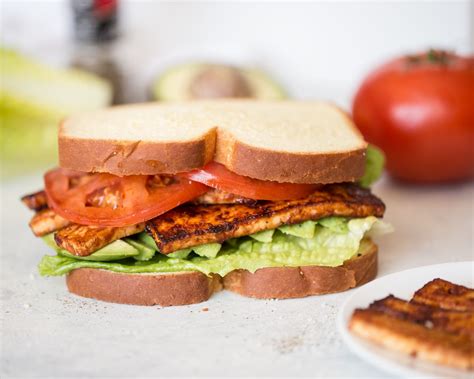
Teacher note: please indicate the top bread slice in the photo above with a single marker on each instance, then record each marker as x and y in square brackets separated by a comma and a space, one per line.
[283, 141]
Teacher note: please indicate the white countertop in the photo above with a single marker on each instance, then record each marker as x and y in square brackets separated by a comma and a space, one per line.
[48, 332]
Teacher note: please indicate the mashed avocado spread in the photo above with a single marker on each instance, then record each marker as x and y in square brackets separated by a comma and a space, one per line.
[326, 242]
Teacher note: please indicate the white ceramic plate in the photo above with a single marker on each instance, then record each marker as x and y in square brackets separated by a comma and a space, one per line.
[402, 284]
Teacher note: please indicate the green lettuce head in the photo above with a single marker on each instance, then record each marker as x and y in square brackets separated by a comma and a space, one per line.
[34, 98]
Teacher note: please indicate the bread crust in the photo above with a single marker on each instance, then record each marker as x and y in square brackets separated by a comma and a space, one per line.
[284, 167]
[293, 168]
[134, 157]
[194, 287]
[151, 158]
[143, 289]
[296, 282]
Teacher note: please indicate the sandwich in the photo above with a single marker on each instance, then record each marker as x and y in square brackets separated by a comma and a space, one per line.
[165, 204]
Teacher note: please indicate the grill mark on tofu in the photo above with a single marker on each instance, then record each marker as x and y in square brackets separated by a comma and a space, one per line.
[450, 321]
[446, 295]
[36, 201]
[83, 240]
[194, 224]
[396, 333]
[46, 221]
[437, 324]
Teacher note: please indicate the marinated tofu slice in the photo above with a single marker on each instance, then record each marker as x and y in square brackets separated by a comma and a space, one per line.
[46, 221]
[446, 295]
[36, 201]
[437, 324]
[447, 320]
[196, 224]
[83, 240]
[415, 339]
[221, 197]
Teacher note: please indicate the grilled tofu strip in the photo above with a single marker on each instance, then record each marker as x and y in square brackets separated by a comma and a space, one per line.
[220, 197]
[415, 339]
[83, 240]
[437, 324]
[46, 221]
[446, 295]
[446, 320]
[36, 201]
[196, 224]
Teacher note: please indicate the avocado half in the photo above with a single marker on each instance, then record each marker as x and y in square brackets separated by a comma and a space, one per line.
[176, 83]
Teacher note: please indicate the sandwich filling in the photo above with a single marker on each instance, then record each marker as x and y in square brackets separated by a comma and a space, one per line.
[211, 220]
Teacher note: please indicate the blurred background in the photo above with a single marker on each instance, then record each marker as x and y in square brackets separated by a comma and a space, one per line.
[316, 50]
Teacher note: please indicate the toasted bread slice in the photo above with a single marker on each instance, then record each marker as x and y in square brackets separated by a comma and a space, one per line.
[166, 289]
[284, 141]
[193, 287]
[295, 282]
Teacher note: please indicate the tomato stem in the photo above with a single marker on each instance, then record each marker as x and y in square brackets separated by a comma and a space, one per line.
[432, 56]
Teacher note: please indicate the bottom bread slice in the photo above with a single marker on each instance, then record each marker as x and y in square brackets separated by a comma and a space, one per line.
[294, 282]
[191, 287]
[165, 289]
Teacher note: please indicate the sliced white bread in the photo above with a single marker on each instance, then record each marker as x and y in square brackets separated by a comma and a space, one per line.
[284, 141]
[177, 288]
[194, 287]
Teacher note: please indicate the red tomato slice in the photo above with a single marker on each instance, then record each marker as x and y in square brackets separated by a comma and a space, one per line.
[215, 175]
[109, 200]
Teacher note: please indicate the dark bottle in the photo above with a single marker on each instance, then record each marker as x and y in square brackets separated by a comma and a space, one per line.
[95, 38]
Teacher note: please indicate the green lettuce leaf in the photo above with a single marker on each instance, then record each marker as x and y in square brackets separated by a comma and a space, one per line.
[208, 250]
[375, 160]
[336, 224]
[263, 236]
[180, 254]
[61, 265]
[327, 247]
[304, 230]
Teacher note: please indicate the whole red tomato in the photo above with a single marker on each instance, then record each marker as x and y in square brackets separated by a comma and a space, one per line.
[420, 111]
